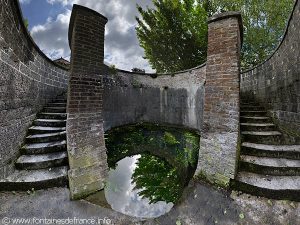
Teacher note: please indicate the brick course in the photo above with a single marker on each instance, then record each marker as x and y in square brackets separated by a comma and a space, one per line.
[220, 135]
[86, 146]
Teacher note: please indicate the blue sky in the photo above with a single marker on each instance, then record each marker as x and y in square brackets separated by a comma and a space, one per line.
[49, 21]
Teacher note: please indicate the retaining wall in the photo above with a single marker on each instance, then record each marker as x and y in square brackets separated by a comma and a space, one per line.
[175, 99]
[28, 80]
[276, 82]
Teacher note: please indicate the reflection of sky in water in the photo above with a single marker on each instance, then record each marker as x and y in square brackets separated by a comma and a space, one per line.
[121, 196]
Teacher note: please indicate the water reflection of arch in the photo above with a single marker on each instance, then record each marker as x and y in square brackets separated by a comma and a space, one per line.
[159, 148]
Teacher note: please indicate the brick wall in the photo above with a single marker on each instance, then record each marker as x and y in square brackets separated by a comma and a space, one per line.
[220, 137]
[276, 82]
[85, 135]
[174, 99]
[28, 80]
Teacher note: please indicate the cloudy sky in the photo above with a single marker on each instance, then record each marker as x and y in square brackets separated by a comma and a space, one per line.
[122, 197]
[49, 21]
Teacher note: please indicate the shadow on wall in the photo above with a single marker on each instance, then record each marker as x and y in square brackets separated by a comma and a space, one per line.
[131, 98]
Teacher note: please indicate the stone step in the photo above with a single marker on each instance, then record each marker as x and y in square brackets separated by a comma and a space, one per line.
[60, 100]
[257, 126]
[55, 109]
[247, 102]
[44, 130]
[254, 119]
[56, 104]
[42, 161]
[278, 151]
[56, 116]
[270, 166]
[43, 138]
[251, 108]
[37, 179]
[43, 148]
[262, 137]
[276, 187]
[50, 122]
[254, 113]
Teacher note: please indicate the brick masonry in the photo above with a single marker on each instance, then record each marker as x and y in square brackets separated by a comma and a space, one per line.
[205, 98]
[220, 134]
[174, 99]
[276, 82]
[28, 80]
[85, 134]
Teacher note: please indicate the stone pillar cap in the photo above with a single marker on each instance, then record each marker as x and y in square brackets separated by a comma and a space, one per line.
[75, 10]
[229, 14]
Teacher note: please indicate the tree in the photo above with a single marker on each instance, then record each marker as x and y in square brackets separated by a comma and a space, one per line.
[264, 23]
[174, 33]
[157, 180]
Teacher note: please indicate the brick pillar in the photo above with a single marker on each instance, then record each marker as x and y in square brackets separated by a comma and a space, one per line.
[85, 135]
[219, 142]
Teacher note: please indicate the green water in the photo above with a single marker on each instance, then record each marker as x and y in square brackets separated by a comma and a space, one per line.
[149, 167]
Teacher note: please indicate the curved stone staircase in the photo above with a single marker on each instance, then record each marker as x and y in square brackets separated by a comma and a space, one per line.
[270, 161]
[43, 162]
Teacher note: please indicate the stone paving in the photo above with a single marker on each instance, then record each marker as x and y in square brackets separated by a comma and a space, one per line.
[201, 204]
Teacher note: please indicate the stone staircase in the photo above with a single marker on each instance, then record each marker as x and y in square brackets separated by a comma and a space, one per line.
[269, 163]
[44, 161]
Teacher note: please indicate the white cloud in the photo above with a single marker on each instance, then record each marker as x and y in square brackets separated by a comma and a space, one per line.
[121, 44]
[51, 37]
[25, 1]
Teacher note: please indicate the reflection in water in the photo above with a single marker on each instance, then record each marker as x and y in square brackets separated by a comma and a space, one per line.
[123, 195]
[148, 184]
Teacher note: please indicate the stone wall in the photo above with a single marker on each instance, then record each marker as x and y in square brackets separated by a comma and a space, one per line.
[164, 99]
[205, 98]
[85, 134]
[28, 80]
[220, 137]
[276, 82]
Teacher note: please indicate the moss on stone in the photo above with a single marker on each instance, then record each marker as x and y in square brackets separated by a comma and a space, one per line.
[179, 147]
[218, 180]
[170, 139]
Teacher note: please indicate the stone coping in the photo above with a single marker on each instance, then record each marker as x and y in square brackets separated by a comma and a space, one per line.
[75, 10]
[280, 43]
[225, 15]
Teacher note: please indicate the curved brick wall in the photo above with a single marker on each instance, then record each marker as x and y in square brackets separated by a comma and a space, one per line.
[276, 82]
[28, 80]
[165, 99]
[205, 99]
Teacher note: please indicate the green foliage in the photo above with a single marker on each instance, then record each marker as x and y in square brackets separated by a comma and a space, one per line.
[264, 23]
[121, 142]
[192, 143]
[157, 180]
[170, 139]
[174, 33]
[113, 70]
[26, 23]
